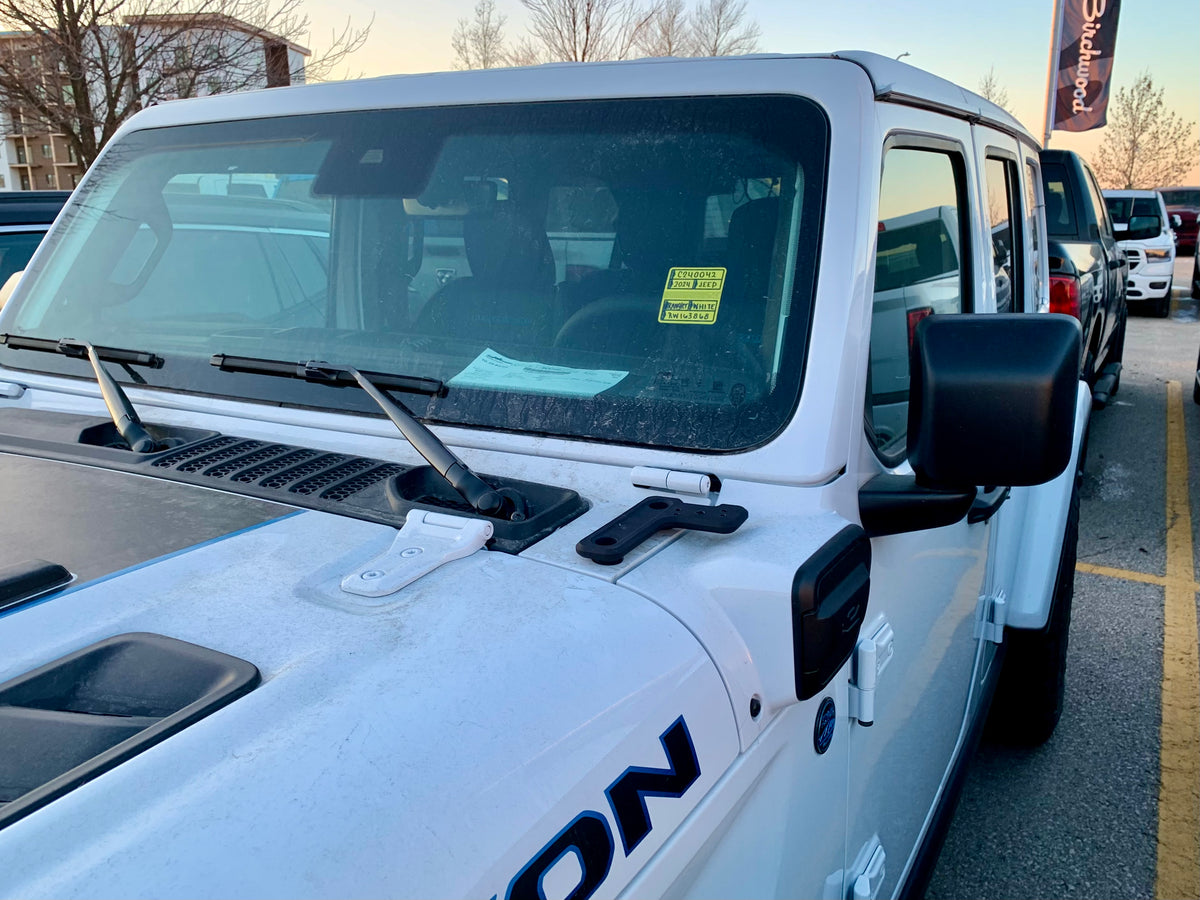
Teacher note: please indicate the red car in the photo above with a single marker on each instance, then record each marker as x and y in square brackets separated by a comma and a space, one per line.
[1185, 202]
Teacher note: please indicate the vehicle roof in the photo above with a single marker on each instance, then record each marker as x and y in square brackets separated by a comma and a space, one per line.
[31, 207]
[1130, 192]
[891, 81]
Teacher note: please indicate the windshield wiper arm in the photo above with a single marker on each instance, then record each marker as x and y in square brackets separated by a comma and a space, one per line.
[123, 415]
[504, 504]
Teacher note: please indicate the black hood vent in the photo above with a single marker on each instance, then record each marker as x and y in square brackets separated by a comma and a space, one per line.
[372, 489]
[278, 467]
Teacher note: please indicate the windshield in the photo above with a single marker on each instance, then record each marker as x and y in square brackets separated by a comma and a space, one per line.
[1122, 209]
[633, 271]
[16, 247]
[1182, 197]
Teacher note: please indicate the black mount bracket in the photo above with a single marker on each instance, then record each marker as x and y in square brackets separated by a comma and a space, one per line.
[609, 544]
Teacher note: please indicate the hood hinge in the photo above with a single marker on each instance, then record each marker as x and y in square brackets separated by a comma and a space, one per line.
[427, 541]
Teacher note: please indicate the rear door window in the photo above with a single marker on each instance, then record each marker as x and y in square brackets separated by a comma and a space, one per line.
[1060, 201]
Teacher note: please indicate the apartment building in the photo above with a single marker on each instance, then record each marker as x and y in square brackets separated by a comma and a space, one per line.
[32, 157]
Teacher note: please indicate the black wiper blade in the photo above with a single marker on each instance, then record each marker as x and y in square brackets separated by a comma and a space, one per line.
[325, 374]
[120, 409]
[78, 349]
[505, 503]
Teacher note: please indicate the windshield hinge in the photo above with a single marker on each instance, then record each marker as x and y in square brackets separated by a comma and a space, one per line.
[993, 613]
[871, 656]
[676, 482]
[427, 540]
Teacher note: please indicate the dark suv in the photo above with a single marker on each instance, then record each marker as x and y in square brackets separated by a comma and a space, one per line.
[1088, 271]
[25, 216]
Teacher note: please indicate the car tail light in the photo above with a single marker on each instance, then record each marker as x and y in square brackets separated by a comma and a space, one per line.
[915, 316]
[1064, 295]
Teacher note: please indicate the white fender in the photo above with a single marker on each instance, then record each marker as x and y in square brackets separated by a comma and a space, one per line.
[1032, 526]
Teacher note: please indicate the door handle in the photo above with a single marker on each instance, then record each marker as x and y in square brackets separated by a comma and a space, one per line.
[1115, 263]
[984, 506]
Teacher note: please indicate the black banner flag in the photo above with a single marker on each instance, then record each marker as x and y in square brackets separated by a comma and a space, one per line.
[1084, 45]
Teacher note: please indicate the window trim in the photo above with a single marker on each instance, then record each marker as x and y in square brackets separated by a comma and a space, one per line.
[1031, 174]
[958, 153]
[1016, 195]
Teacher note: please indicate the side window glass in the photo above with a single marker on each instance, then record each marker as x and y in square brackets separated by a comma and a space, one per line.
[1098, 203]
[1004, 214]
[1035, 231]
[919, 271]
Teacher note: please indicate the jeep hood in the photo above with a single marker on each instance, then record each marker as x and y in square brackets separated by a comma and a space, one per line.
[451, 729]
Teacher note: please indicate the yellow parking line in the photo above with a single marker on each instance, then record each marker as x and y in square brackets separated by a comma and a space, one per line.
[1186, 583]
[1178, 873]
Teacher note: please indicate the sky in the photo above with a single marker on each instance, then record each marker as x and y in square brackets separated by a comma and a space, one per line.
[957, 39]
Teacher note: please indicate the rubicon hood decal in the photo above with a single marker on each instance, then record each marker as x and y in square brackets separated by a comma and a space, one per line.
[97, 521]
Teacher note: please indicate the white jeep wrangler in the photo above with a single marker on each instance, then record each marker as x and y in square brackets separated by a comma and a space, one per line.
[686, 563]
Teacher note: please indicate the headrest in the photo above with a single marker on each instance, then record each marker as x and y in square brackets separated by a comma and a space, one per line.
[1055, 208]
[508, 249]
[751, 243]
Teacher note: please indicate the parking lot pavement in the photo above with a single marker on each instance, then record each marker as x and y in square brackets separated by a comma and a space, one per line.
[1081, 816]
[1181, 281]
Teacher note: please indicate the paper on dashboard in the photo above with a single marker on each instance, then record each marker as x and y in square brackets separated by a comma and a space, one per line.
[495, 371]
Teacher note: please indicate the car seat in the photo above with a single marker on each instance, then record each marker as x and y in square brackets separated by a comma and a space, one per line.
[749, 259]
[509, 298]
[1056, 209]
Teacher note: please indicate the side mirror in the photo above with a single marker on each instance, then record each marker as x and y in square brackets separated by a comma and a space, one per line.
[992, 399]
[992, 402]
[1176, 220]
[1143, 227]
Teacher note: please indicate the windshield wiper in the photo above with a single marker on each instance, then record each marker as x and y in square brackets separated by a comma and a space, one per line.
[123, 415]
[505, 503]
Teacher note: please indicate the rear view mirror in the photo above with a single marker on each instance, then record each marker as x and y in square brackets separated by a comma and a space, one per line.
[1143, 228]
[1176, 220]
[992, 399]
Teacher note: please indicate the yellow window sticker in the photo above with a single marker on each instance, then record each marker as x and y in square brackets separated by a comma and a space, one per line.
[691, 296]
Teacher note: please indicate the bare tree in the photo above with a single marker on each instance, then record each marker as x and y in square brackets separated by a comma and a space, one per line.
[478, 43]
[1146, 145]
[526, 52]
[990, 88]
[669, 32]
[584, 30]
[82, 67]
[719, 29]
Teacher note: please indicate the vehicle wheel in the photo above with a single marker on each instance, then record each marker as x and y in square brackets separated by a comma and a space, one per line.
[1116, 353]
[1162, 306]
[1029, 697]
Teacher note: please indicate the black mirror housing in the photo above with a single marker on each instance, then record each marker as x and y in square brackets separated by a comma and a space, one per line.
[993, 399]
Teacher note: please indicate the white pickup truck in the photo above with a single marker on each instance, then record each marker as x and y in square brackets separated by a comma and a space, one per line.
[325, 573]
